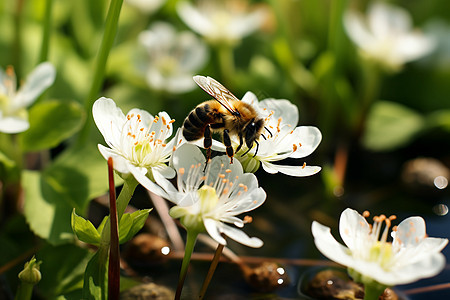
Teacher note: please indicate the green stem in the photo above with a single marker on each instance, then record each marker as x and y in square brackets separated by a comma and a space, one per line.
[371, 80]
[24, 291]
[125, 195]
[373, 292]
[17, 45]
[211, 270]
[189, 248]
[330, 98]
[226, 63]
[46, 31]
[111, 24]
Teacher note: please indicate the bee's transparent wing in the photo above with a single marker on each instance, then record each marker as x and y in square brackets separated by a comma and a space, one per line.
[218, 91]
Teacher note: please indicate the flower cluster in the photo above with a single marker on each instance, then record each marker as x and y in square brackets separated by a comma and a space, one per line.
[208, 196]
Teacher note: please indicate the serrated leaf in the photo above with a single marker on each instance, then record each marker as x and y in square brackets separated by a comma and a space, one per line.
[84, 230]
[391, 125]
[51, 122]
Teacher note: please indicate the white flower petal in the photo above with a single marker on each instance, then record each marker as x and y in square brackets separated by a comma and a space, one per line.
[357, 30]
[309, 137]
[164, 170]
[410, 231]
[187, 155]
[194, 18]
[385, 20]
[212, 227]
[38, 81]
[246, 24]
[282, 108]
[147, 183]
[250, 98]
[13, 124]
[298, 171]
[429, 267]
[109, 120]
[413, 46]
[240, 237]
[328, 246]
[353, 228]
[119, 162]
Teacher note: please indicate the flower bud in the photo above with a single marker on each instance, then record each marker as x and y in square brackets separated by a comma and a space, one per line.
[30, 273]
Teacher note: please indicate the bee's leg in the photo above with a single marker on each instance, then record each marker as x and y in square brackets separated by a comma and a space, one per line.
[227, 143]
[241, 142]
[250, 148]
[257, 147]
[207, 143]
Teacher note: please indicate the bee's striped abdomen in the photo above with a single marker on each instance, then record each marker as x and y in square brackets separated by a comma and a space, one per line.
[195, 123]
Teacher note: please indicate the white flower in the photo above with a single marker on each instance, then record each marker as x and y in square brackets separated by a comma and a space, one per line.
[147, 6]
[137, 142]
[13, 103]
[221, 21]
[386, 36]
[212, 198]
[411, 256]
[173, 58]
[282, 139]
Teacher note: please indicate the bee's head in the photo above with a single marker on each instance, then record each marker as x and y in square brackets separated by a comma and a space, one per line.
[253, 131]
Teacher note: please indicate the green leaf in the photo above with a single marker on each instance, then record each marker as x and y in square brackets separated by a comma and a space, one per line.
[102, 224]
[46, 212]
[51, 122]
[138, 218]
[87, 161]
[439, 119]
[96, 277]
[85, 230]
[68, 184]
[62, 269]
[125, 224]
[391, 125]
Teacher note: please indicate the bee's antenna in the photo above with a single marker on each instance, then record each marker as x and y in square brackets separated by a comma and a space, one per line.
[271, 135]
[262, 134]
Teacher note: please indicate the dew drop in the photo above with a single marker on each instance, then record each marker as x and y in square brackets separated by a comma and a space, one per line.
[440, 209]
[440, 182]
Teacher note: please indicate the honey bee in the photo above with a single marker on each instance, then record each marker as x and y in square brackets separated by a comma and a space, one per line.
[225, 114]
